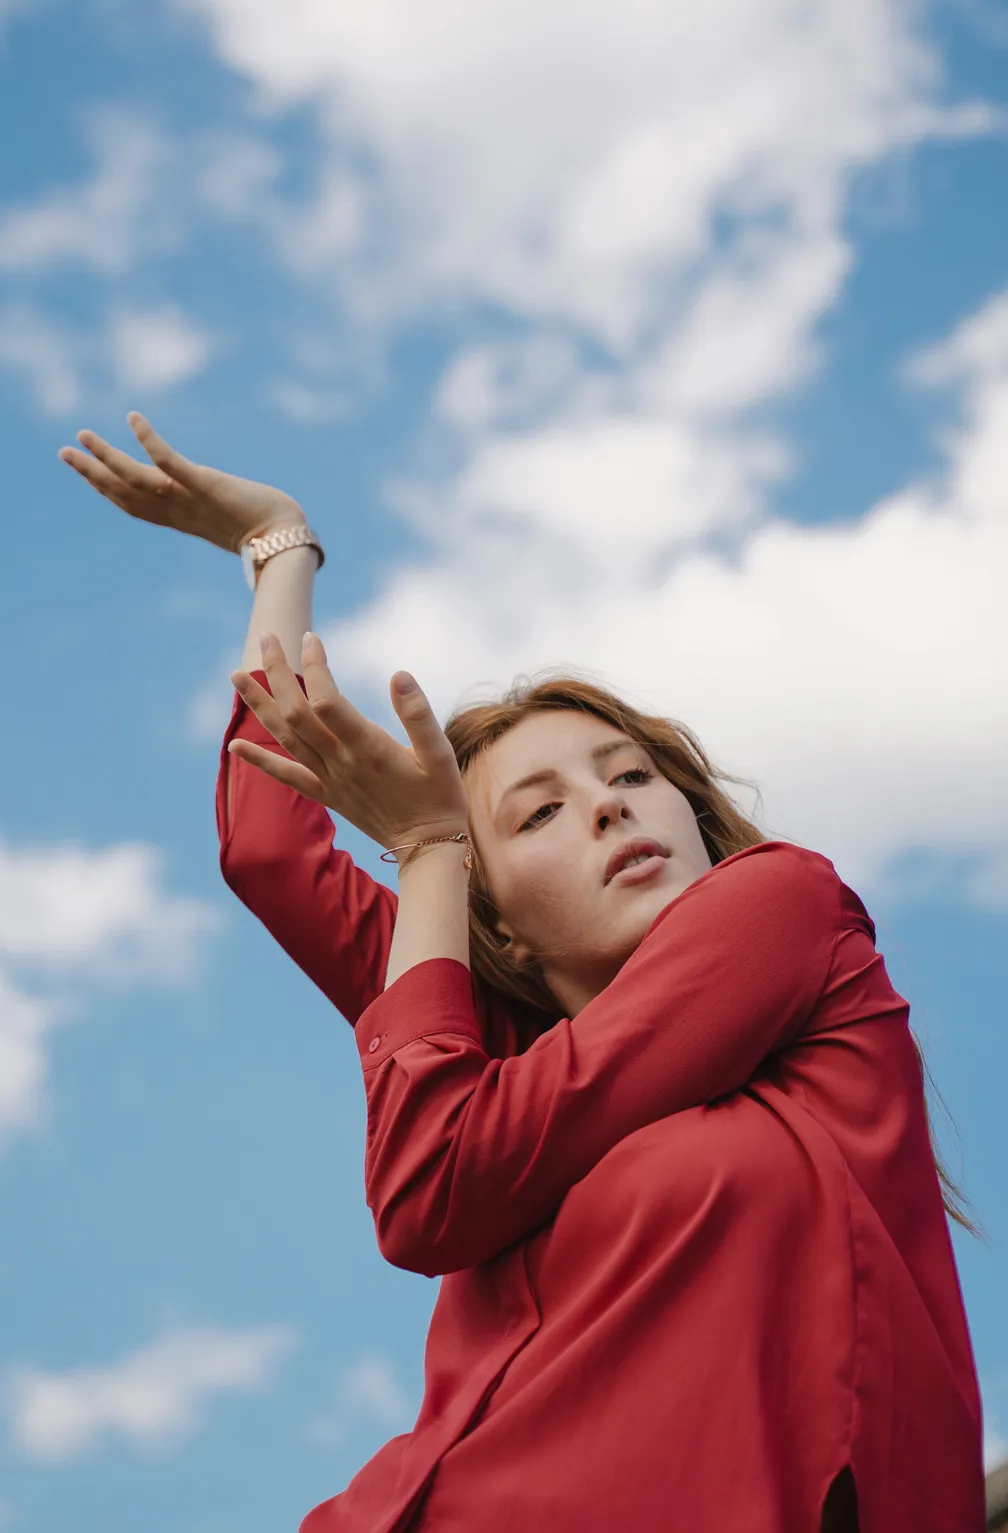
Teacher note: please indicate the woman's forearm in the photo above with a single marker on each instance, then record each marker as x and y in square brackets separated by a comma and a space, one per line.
[433, 916]
[282, 605]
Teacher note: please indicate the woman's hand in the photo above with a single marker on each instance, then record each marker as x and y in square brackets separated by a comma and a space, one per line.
[172, 492]
[393, 793]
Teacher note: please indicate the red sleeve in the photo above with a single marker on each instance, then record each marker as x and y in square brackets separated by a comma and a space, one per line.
[277, 854]
[467, 1154]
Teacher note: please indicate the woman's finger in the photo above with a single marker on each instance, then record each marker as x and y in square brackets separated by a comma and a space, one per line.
[193, 476]
[430, 744]
[103, 480]
[282, 722]
[336, 712]
[291, 773]
[318, 679]
[321, 725]
[142, 476]
[284, 684]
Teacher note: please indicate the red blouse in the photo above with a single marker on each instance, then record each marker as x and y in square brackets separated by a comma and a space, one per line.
[694, 1252]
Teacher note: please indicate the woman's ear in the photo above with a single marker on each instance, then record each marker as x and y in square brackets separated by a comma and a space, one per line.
[516, 950]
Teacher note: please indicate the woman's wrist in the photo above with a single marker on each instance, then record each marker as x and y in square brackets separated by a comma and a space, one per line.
[282, 604]
[432, 920]
[452, 851]
[424, 840]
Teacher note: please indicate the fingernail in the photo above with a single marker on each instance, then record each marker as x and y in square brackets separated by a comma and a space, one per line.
[238, 681]
[264, 642]
[306, 639]
[404, 683]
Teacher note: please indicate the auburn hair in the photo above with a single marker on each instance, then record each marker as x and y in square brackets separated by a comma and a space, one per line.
[682, 760]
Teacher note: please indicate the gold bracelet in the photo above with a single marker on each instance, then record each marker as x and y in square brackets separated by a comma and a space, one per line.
[389, 855]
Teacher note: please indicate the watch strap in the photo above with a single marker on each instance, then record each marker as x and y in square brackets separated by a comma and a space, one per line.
[257, 551]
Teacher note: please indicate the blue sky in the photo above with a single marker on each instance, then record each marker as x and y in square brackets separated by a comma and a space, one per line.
[675, 352]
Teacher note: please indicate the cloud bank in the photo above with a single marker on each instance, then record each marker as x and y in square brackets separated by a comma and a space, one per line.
[153, 1396]
[652, 208]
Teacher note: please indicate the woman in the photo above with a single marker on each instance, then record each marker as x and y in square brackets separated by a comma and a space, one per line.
[667, 1145]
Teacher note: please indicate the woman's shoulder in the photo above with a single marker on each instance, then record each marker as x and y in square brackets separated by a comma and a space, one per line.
[769, 893]
[790, 876]
[771, 866]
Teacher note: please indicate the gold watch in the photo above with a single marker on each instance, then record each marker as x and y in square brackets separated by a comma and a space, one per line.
[256, 551]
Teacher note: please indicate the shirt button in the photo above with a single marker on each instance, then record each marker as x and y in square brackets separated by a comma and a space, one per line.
[374, 1044]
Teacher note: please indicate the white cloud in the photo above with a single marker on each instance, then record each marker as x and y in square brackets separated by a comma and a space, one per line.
[619, 489]
[308, 404]
[70, 918]
[104, 913]
[152, 1396]
[995, 1447]
[145, 348]
[25, 1021]
[573, 160]
[661, 197]
[155, 348]
[234, 174]
[858, 671]
[106, 222]
[507, 382]
[38, 351]
[973, 355]
[368, 1389]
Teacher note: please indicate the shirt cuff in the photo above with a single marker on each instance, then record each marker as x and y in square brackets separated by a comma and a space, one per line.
[244, 725]
[432, 997]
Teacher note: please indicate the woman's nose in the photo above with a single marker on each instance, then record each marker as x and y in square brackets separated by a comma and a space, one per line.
[609, 809]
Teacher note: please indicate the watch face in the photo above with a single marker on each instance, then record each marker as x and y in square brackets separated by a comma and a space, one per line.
[248, 565]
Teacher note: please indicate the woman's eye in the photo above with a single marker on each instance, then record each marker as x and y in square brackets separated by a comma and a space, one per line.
[539, 816]
[633, 775]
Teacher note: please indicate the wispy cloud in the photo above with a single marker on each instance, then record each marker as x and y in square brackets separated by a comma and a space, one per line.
[101, 912]
[156, 348]
[71, 919]
[594, 161]
[41, 354]
[307, 404]
[153, 1396]
[25, 1021]
[106, 222]
[367, 1390]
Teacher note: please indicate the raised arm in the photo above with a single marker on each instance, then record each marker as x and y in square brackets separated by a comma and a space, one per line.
[277, 849]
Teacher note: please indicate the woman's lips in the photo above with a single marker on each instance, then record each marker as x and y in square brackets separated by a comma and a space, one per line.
[640, 872]
[637, 846]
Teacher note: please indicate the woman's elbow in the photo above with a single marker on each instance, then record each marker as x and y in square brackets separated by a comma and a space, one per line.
[418, 1243]
[405, 1243]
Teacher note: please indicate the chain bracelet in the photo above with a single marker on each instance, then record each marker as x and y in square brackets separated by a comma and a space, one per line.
[389, 855]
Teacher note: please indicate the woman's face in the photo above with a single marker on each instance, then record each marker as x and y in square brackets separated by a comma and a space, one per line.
[584, 843]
